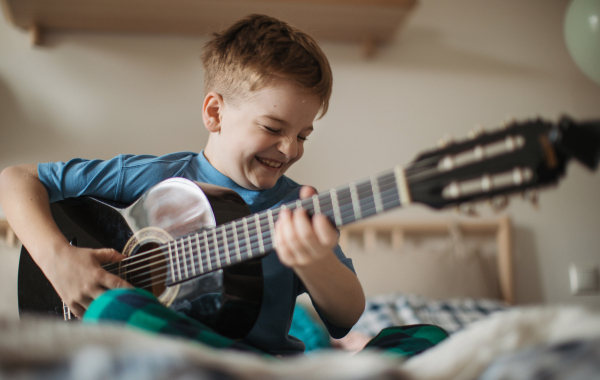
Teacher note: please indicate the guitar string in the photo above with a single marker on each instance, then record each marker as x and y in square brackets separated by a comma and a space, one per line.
[325, 205]
[382, 181]
[216, 260]
[244, 250]
[148, 283]
[229, 234]
[389, 200]
[386, 176]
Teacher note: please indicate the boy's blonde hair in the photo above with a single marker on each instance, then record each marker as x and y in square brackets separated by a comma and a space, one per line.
[259, 50]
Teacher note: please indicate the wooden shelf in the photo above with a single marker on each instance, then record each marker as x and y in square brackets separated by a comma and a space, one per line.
[364, 21]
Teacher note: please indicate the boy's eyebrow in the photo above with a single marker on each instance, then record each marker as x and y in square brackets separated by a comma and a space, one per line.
[310, 127]
[280, 121]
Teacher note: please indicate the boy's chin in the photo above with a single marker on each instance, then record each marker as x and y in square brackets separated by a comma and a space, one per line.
[263, 183]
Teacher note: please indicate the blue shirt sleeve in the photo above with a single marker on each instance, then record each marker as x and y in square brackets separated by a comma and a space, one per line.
[123, 178]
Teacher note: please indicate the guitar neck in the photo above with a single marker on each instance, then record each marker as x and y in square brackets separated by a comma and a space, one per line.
[252, 236]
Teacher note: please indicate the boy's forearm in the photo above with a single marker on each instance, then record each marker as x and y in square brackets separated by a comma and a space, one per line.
[335, 289]
[26, 205]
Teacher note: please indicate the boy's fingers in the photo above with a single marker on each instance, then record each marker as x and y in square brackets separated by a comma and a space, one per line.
[77, 310]
[288, 242]
[304, 231]
[307, 191]
[108, 255]
[325, 232]
[110, 281]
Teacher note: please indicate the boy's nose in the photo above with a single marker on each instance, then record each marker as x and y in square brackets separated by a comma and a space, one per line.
[289, 147]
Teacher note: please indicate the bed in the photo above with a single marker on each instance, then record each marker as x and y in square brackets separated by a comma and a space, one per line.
[469, 262]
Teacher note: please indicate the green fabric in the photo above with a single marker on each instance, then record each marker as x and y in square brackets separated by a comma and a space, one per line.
[309, 330]
[140, 309]
[407, 341]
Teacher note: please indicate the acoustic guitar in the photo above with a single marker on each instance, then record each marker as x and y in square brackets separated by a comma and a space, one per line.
[189, 240]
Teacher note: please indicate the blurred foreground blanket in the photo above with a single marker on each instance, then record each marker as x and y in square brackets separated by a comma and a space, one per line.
[487, 349]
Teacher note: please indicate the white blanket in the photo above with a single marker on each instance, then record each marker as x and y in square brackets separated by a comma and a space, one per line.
[467, 353]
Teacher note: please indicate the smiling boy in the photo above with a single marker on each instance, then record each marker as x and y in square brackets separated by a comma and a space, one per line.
[265, 84]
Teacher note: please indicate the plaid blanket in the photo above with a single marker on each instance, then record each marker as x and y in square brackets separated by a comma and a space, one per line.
[140, 309]
[396, 310]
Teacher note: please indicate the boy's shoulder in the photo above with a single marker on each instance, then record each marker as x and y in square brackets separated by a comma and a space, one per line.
[131, 160]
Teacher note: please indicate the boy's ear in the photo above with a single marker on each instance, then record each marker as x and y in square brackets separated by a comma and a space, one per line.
[212, 111]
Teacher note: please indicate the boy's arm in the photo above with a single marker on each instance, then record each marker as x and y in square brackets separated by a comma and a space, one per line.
[74, 272]
[306, 246]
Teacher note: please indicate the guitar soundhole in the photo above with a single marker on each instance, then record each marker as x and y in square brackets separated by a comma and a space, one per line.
[148, 270]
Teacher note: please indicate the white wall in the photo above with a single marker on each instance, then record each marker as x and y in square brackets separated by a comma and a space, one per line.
[457, 63]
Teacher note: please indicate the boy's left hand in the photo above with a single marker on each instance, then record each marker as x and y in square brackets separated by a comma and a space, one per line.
[302, 241]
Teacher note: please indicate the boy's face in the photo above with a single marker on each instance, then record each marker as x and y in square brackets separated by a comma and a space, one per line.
[256, 142]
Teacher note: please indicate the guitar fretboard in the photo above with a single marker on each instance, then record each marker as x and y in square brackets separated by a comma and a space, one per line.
[252, 236]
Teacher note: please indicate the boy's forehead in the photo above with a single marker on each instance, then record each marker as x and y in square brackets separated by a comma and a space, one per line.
[282, 101]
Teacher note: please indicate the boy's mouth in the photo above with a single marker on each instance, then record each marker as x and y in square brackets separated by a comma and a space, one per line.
[270, 163]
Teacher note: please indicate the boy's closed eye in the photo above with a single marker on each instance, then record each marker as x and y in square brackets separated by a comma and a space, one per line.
[277, 131]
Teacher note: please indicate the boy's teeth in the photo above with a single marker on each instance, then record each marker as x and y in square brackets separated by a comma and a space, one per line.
[272, 164]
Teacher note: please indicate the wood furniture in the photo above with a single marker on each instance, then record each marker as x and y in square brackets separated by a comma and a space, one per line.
[398, 230]
[367, 21]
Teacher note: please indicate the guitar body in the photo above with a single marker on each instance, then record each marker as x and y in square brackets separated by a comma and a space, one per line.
[228, 300]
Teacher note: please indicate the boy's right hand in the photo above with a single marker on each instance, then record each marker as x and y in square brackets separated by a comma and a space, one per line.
[78, 277]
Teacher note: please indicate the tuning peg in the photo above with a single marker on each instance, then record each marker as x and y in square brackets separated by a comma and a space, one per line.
[467, 209]
[499, 203]
[475, 132]
[445, 141]
[508, 120]
[533, 196]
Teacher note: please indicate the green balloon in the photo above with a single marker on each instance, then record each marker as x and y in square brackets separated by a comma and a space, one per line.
[582, 35]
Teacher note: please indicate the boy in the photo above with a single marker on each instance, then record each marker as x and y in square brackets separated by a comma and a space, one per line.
[265, 84]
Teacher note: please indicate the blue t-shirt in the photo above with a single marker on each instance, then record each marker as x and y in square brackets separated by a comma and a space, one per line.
[127, 177]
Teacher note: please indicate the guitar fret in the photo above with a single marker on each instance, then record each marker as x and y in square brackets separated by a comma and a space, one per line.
[402, 185]
[376, 195]
[177, 258]
[336, 207]
[271, 226]
[237, 243]
[185, 264]
[227, 258]
[216, 244]
[171, 260]
[207, 251]
[191, 255]
[355, 202]
[316, 203]
[200, 264]
[247, 236]
[259, 232]
[298, 204]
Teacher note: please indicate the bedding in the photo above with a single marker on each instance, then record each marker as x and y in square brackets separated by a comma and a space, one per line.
[489, 341]
[399, 309]
[486, 350]
[388, 310]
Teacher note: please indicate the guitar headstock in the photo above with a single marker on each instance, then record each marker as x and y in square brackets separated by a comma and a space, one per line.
[520, 157]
